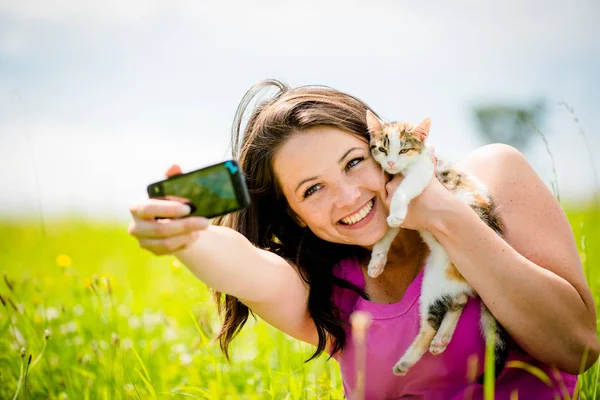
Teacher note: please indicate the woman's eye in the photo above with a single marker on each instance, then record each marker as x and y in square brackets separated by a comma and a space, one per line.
[310, 190]
[354, 162]
[381, 149]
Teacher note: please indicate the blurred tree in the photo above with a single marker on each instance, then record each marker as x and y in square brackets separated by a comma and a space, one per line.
[508, 123]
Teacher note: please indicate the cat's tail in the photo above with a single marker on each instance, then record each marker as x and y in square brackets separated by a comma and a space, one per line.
[491, 327]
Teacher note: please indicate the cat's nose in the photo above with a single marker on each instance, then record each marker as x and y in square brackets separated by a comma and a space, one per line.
[391, 163]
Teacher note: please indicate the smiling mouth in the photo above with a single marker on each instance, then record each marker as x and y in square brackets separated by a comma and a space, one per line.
[359, 215]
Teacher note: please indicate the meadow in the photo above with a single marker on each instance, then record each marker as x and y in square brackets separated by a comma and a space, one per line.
[87, 314]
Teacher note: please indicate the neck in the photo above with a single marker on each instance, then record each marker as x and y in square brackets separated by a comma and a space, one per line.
[406, 248]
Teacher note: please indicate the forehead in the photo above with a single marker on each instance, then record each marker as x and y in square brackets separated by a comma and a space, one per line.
[312, 152]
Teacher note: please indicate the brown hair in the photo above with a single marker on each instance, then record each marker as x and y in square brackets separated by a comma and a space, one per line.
[268, 223]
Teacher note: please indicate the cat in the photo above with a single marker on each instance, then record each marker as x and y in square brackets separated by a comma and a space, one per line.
[400, 148]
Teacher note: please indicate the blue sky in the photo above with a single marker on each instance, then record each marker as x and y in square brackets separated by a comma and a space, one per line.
[97, 99]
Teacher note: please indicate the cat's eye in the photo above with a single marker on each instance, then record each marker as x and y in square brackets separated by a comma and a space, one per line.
[383, 150]
[403, 151]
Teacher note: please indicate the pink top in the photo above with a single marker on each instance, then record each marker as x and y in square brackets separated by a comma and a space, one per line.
[443, 377]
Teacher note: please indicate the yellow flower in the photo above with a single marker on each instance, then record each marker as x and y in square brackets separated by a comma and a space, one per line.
[37, 319]
[87, 283]
[175, 265]
[63, 261]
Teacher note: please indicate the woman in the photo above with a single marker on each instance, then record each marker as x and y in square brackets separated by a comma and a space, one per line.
[319, 203]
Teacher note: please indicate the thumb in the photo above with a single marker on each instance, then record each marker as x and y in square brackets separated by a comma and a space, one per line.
[173, 170]
[432, 154]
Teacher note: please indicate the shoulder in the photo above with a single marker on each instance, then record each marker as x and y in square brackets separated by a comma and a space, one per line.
[508, 175]
[532, 218]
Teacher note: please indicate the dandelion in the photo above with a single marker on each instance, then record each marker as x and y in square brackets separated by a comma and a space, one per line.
[23, 351]
[134, 322]
[63, 261]
[52, 314]
[124, 310]
[87, 283]
[69, 327]
[47, 334]
[78, 310]
[106, 282]
[127, 343]
[186, 359]
[170, 334]
[114, 338]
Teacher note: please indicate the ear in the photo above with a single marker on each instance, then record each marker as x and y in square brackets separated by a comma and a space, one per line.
[422, 130]
[373, 123]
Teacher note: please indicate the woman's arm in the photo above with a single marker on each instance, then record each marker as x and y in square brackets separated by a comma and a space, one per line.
[227, 262]
[532, 280]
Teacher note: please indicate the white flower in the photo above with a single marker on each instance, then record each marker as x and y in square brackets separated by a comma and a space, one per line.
[134, 322]
[51, 313]
[186, 359]
[78, 310]
[170, 334]
[124, 310]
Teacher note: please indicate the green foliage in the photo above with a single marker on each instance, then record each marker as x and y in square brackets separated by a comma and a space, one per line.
[123, 324]
[88, 315]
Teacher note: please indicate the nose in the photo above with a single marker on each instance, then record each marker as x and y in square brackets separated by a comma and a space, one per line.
[347, 195]
[391, 163]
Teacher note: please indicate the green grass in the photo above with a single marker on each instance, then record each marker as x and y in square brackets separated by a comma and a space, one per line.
[128, 325]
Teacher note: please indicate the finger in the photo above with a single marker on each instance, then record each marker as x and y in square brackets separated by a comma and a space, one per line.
[173, 170]
[432, 154]
[157, 208]
[167, 228]
[168, 245]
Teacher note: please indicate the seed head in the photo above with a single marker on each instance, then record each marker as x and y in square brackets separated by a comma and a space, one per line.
[47, 334]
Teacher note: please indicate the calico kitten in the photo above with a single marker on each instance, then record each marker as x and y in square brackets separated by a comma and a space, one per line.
[400, 149]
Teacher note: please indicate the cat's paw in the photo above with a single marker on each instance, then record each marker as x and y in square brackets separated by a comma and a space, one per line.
[395, 220]
[376, 265]
[397, 216]
[439, 344]
[402, 367]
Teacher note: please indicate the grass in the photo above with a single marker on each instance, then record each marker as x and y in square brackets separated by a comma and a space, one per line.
[86, 314]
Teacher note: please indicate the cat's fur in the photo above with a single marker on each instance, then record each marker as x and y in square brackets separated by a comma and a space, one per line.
[400, 149]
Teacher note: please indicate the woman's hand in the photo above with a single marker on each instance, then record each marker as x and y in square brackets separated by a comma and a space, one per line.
[422, 209]
[168, 235]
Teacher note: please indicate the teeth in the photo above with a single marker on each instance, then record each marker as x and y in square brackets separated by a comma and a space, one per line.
[358, 216]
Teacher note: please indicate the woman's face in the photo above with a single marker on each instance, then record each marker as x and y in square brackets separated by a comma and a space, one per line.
[333, 185]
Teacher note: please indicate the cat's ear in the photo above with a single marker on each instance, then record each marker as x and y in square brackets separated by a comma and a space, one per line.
[422, 130]
[373, 123]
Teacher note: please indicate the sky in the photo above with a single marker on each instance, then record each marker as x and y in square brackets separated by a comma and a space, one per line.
[98, 99]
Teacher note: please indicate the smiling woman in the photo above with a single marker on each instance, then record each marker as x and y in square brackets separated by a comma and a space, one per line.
[333, 185]
[319, 204]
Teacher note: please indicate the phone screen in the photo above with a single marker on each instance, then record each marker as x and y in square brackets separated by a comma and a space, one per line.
[210, 192]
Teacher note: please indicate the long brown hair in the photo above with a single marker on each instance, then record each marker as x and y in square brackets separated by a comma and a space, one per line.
[269, 223]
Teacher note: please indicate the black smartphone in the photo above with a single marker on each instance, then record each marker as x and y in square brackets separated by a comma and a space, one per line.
[210, 192]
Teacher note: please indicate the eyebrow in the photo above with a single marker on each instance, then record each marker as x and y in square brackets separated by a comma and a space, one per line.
[303, 181]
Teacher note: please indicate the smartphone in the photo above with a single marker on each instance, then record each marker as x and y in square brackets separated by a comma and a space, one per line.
[210, 192]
